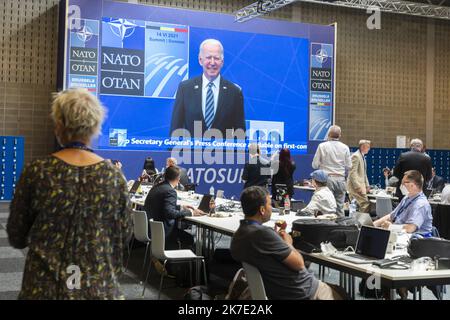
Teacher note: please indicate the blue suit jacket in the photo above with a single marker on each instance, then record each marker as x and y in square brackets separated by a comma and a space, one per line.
[188, 107]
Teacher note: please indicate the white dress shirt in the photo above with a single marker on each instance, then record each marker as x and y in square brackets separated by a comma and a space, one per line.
[445, 195]
[322, 201]
[333, 157]
[215, 89]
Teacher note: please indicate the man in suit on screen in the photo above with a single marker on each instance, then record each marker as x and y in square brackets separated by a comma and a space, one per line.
[208, 100]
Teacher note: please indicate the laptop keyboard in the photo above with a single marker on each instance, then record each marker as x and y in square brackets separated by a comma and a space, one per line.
[404, 259]
[360, 257]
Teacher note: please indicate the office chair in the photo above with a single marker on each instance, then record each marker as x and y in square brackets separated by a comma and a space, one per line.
[255, 282]
[383, 206]
[177, 256]
[140, 229]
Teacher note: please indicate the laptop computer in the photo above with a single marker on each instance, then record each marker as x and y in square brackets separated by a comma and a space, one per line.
[364, 219]
[370, 247]
[134, 188]
[204, 203]
[428, 192]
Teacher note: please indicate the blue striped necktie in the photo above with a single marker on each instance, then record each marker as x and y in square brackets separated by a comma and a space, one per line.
[209, 106]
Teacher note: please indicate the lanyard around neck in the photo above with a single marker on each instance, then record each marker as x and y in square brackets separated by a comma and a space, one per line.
[404, 207]
[77, 145]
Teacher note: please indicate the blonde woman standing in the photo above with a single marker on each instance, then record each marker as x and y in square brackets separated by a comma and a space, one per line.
[71, 210]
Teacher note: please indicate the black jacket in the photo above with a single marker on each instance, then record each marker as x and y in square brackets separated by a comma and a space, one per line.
[282, 177]
[188, 107]
[413, 160]
[161, 205]
[437, 184]
[184, 178]
[252, 173]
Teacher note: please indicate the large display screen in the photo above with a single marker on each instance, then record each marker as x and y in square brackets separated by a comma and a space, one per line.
[134, 58]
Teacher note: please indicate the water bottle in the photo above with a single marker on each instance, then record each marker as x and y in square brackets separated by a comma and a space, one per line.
[212, 206]
[352, 208]
[212, 203]
[287, 205]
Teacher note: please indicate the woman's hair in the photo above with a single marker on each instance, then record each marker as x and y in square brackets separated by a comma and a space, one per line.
[77, 114]
[285, 161]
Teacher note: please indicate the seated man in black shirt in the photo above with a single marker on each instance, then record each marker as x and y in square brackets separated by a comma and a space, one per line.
[161, 205]
[281, 266]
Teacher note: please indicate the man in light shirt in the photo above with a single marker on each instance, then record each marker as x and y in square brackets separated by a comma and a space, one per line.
[333, 157]
[445, 195]
[322, 201]
[358, 184]
[413, 213]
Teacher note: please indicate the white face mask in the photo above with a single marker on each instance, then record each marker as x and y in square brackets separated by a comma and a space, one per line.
[404, 190]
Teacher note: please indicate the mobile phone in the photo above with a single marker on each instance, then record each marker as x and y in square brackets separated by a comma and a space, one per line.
[384, 263]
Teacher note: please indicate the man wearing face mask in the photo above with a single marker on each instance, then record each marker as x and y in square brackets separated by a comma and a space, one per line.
[413, 214]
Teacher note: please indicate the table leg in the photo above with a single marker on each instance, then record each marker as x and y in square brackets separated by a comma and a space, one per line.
[392, 294]
[352, 287]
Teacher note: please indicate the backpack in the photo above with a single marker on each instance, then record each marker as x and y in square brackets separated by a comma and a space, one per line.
[341, 232]
[429, 247]
[197, 293]
[238, 289]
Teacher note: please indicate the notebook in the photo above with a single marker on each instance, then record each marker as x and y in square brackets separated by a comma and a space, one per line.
[371, 246]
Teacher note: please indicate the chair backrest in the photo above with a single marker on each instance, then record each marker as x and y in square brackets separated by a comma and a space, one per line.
[158, 239]
[255, 282]
[140, 226]
[384, 206]
[219, 193]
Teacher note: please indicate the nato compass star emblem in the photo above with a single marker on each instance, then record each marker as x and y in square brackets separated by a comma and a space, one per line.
[321, 56]
[85, 34]
[122, 28]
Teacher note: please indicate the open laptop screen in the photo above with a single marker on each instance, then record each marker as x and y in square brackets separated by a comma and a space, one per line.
[135, 186]
[204, 203]
[372, 242]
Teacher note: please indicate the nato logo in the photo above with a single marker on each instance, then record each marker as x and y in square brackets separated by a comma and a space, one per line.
[321, 55]
[122, 28]
[123, 33]
[86, 36]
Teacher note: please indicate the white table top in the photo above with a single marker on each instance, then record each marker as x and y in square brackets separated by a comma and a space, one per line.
[306, 188]
[228, 222]
[391, 274]
[381, 195]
